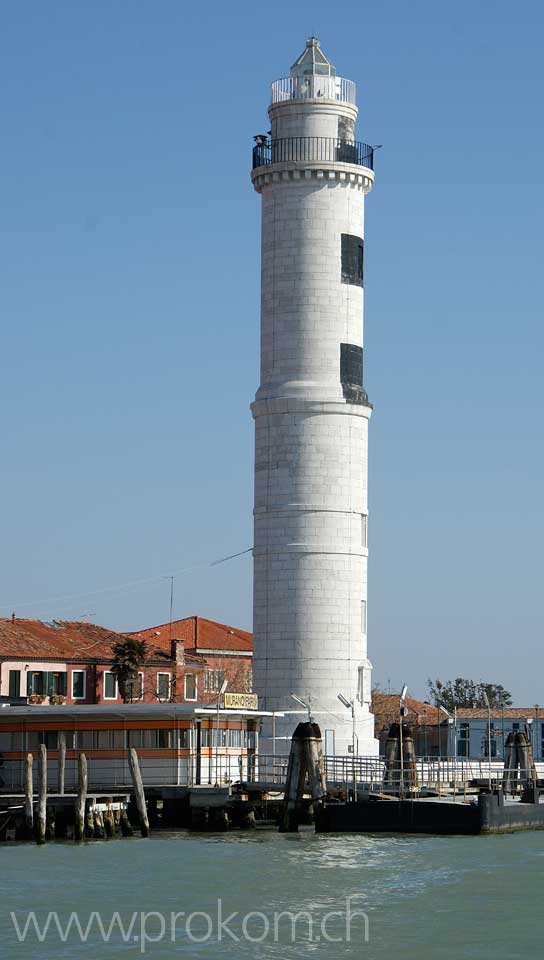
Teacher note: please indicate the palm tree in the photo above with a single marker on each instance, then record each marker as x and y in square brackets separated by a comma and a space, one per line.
[128, 656]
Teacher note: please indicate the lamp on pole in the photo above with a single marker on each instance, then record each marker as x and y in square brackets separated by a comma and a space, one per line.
[306, 704]
[437, 699]
[425, 749]
[350, 705]
[488, 705]
[402, 714]
[224, 686]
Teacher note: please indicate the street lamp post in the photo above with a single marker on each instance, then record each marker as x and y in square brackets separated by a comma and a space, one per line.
[224, 686]
[451, 726]
[303, 703]
[488, 705]
[350, 705]
[402, 711]
[425, 748]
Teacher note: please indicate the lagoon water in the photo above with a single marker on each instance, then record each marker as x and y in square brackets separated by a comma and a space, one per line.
[424, 897]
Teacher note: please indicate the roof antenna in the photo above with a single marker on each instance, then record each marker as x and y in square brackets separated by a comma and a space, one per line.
[171, 579]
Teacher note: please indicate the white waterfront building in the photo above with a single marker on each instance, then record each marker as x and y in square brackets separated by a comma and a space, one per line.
[311, 412]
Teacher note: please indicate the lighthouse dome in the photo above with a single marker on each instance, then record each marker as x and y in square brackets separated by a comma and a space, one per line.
[312, 61]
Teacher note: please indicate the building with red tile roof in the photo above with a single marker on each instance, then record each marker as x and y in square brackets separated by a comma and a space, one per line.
[70, 662]
[227, 650]
[429, 724]
[470, 732]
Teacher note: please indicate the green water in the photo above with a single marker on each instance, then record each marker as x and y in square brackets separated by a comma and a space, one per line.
[439, 898]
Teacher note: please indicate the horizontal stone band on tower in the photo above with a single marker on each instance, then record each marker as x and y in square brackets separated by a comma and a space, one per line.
[361, 179]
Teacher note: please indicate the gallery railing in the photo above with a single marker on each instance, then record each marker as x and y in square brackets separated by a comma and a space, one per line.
[312, 150]
[313, 87]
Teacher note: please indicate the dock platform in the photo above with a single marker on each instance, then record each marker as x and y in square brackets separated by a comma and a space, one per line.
[484, 814]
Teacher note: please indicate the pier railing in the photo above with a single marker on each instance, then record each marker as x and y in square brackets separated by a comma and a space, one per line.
[268, 771]
[312, 150]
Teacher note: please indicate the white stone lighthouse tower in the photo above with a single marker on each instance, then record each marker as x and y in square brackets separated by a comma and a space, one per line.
[311, 412]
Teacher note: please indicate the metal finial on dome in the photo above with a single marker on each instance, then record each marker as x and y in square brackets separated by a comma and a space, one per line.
[313, 61]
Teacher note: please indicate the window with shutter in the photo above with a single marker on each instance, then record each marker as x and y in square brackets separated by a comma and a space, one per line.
[36, 683]
[15, 683]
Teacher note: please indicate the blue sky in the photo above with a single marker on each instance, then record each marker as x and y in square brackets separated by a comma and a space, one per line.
[129, 314]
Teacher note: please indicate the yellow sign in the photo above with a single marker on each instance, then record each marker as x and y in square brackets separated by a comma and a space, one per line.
[241, 701]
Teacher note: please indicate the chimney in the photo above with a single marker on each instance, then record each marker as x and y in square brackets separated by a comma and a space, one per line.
[177, 651]
[13, 618]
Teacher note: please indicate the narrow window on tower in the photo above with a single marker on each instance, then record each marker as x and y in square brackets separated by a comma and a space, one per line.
[363, 616]
[352, 259]
[351, 373]
[364, 530]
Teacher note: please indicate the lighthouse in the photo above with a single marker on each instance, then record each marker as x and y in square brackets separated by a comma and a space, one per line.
[311, 414]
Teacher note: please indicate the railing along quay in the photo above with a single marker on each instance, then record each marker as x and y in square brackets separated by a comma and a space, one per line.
[270, 771]
[312, 150]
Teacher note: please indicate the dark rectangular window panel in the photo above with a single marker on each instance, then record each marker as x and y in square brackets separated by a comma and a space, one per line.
[56, 684]
[351, 364]
[78, 684]
[15, 683]
[352, 259]
[351, 373]
[36, 683]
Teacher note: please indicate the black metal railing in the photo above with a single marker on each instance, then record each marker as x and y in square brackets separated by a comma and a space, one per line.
[312, 149]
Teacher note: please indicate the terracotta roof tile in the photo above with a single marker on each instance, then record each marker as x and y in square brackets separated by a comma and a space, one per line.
[63, 640]
[509, 713]
[385, 707]
[198, 634]
[55, 639]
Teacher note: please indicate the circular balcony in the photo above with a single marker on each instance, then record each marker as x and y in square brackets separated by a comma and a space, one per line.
[313, 87]
[312, 150]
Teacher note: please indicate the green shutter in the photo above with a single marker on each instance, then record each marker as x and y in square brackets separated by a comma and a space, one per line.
[15, 683]
[63, 684]
[49, 688]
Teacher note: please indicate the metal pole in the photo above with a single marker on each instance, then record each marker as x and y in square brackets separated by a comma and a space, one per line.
[401, 785]
[217, 743]
[353, 752]
[425, 732]
[489, 741]
[439, 747]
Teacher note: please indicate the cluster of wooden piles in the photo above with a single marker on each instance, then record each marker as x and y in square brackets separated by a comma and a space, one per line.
[80, 816]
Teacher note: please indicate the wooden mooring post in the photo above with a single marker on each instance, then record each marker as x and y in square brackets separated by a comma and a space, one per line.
[139, 794]
[305, 762]
[29, 797]
[81, 799]
[42, 794]
[62, 763]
